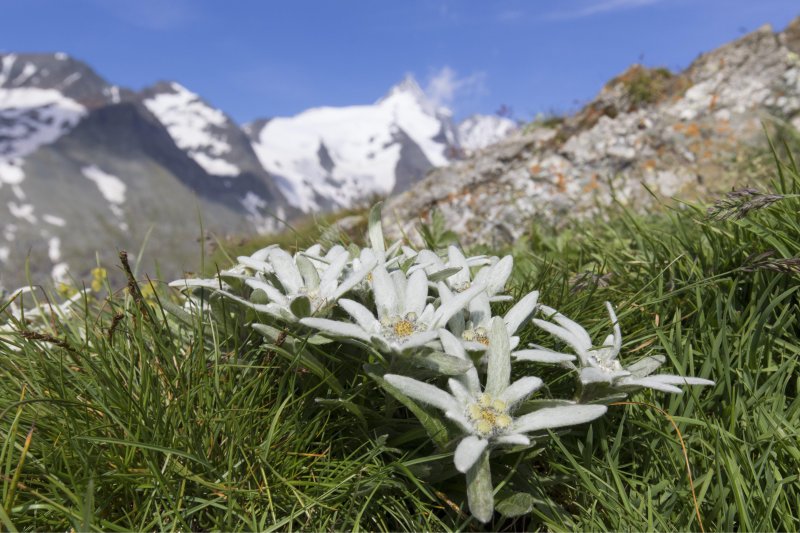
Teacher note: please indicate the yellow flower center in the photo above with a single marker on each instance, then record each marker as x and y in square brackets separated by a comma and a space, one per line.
[403, 328]
[488, 415]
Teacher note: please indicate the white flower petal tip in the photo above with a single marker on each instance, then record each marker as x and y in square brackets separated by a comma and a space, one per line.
[542, 356]
[468, 452]
[556, 417]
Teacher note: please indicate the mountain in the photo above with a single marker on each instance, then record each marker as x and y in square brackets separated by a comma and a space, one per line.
[683, 134]
[335, 157]
[86, 166]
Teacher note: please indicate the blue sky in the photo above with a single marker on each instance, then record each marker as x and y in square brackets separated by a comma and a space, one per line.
[255, 58]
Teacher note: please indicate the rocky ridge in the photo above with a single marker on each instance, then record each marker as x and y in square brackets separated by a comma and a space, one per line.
[674, 134]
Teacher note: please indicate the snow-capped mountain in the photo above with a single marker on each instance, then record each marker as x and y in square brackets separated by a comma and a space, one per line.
[88, 166]
[334, 157]
[480, 131]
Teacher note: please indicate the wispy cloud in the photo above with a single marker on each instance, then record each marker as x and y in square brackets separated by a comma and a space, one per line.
[587, 9]
[159, 15]
[445, 87]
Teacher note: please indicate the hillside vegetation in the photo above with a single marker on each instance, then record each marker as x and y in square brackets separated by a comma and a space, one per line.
[122, 413]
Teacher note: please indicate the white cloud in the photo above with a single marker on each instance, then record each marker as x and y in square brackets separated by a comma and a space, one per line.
[445, 87]
[159, 15]
[601, 6]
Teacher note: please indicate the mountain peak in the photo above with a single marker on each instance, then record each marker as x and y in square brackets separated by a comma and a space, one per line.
[408, 87]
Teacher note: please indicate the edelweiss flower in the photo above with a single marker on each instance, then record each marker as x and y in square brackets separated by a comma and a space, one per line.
[494, 275]
[485, 415]
[293, 287]
[404, 319]
[600, 365]
[473, 325]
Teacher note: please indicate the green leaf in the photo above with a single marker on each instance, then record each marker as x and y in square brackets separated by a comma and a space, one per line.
[301, 307]
[178, 312]
[518, 504]
[376, 229]
[480, 493]
[443, 274]
[442, 363]
[308, 271]
[258, 296]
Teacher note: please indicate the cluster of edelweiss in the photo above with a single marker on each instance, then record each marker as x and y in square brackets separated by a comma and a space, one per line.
[407, 303]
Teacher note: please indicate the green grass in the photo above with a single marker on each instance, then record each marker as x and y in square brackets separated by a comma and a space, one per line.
[177, 425]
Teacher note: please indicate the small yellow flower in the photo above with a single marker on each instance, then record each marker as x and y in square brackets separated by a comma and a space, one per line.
[99, 275]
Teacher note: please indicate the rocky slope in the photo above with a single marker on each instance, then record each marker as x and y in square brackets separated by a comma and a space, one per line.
[676, 134]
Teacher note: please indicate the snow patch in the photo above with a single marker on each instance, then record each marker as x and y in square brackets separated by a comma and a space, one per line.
[22, 211]
[54, 220]
[345, 154]
[54, 249]
[111, 187]
[30, 118]
[191, 124]
[10, 172]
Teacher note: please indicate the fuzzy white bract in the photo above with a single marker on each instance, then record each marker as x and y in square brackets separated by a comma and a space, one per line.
[485, 413]
[403, 319]
[600, 365]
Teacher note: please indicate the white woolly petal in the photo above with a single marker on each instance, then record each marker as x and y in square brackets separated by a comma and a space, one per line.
[255, 264]
[456, 259]
[520, 389]
[260, 255]
[460, 391]
[617, 332]
[384, 292]
[592, 374]
[455, 304]
[563, 334]
[339, 329]
[646, 366]
[498, 371]
[521, 311]
[468, 451]
[423, 392]
[499, 274]
[190, 283]
[542, 356]
[329, 281]
[452, 346]
[355, 277]
[480, 312]
[459, 418]
[400, 282]
[286, 270]
[360, 314]
[681, 380]
[556, 417]
[651, 383]
[416, 293]
[418, 339]
[513, 439]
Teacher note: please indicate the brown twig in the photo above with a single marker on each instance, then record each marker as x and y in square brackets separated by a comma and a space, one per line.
[44, 337]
